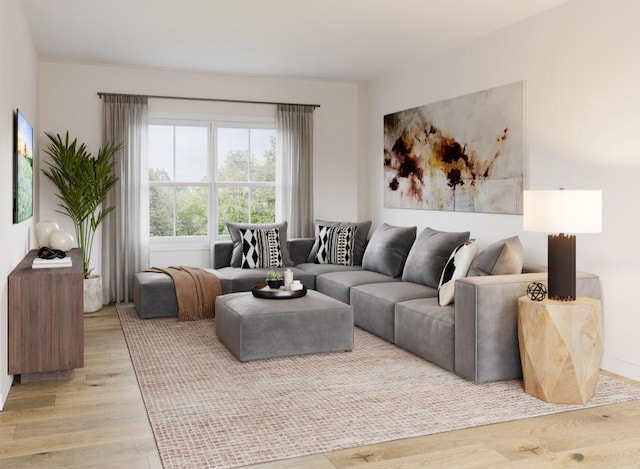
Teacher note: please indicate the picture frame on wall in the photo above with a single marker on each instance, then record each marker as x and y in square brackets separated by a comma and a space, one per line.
[463, 154]
[22, 168]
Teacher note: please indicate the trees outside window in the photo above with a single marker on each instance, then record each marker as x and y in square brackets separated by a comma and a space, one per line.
[196, 187]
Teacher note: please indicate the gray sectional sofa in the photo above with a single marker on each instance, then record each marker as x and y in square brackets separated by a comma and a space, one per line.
[394, 294]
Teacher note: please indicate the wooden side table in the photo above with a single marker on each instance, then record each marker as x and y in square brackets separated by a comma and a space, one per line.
[560, 348]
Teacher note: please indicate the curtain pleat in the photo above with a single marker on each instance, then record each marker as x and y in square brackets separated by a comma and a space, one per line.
[295, 181]
[125, 232]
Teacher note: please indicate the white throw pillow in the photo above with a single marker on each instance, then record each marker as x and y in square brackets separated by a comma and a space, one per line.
[457, 267]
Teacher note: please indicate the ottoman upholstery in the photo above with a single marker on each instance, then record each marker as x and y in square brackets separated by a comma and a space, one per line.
[154, 295]
[256, 328]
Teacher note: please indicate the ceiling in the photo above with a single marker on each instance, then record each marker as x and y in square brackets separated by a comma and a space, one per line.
[326, 39]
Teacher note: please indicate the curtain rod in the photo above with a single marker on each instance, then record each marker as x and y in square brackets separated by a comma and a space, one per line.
[219, 100]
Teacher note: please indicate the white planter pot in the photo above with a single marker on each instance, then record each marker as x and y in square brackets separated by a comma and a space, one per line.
[92, 294]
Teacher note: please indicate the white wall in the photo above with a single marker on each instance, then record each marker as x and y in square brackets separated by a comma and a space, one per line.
[18, 89]
[69, 102]
[582, 74]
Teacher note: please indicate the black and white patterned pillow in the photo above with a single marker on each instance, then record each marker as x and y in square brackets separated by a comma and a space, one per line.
[260, 248]
[457, 267]
[335, 245]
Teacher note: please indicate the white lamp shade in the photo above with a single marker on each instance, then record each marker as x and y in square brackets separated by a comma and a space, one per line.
[563, 211]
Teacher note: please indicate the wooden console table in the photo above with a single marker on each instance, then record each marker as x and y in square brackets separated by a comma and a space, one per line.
[560, 348]
[46, 331]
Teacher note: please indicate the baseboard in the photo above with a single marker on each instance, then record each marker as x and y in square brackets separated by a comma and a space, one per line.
[621, 367]
[4, 392]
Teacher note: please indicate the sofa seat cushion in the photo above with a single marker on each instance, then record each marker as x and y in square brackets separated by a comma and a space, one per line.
[319, 269]
[338, 284]
[374, 304]
[426, 329]
[236, 279]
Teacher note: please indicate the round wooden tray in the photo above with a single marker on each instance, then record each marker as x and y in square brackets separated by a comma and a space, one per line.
[261, 290]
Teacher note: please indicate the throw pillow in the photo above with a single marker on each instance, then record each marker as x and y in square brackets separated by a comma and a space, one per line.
[503, 257]
[457, 267]
[387, 250]
[234, 233]
[260, 248]
[335, 245]
[359, 242]
[429, 255]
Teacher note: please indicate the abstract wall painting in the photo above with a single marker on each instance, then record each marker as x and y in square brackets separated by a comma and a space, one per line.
[464, 154]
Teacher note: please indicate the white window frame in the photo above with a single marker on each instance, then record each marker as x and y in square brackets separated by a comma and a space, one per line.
[212, 122]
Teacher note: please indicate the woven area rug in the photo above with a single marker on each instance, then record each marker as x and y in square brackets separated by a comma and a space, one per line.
[209, 410]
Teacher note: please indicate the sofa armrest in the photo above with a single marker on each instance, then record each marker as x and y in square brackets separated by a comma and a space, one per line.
[486, 322]
[299, 249]
[221, 254]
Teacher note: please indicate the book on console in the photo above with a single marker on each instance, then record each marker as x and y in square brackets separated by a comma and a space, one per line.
[51, 263]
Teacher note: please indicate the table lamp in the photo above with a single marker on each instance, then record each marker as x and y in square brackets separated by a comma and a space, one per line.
[562, 213]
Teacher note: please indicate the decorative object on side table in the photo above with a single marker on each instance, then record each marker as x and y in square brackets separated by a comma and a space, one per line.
[560, 348]
[536, 291]
[82, 181]
[560, 212]
[274, 279]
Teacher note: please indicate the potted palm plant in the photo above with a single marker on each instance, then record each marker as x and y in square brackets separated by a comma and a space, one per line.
[82, 181]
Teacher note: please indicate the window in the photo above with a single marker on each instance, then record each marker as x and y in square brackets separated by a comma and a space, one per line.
[245, 176]
[203, 175]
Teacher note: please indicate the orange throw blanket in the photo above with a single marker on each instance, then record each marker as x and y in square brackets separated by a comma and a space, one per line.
[196, 291]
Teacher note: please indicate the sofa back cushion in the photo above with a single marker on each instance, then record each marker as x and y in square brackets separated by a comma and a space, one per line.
[359, 241]
[503, 257]
[236, 239]
[429, 255]
[387, 250]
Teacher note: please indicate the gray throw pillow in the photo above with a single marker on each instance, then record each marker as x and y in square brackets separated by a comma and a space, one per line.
[388, 248]
[430, 254]
[359, 244]
[503, 257]
[236, 239]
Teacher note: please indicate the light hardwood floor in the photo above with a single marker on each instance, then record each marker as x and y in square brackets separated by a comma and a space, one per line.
[97, 419]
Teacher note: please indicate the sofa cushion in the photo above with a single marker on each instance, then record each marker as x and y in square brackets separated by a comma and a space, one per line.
[335, 245]
[338, 284]
[374, 304]
[500, 258]
[359, 242]
[387, 250]
[429, 255]
[319, 269]
[457, 267]
[234, 232]
[260, 248]
[234, 279]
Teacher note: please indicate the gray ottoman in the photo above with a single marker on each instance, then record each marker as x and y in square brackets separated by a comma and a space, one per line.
[154, 295]
[256, 328]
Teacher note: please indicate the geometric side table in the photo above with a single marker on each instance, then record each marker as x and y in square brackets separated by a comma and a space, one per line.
[560, 348]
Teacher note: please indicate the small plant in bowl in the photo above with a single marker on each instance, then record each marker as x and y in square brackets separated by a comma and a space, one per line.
[274, 279]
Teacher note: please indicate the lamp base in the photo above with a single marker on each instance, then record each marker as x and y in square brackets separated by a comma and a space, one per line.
[561, 258]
